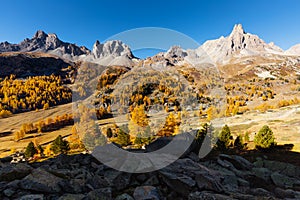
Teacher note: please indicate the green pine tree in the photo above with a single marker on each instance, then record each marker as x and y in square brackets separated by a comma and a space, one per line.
[224, 139]
[30, 150]
[238, 143]
[59, 145]
[264, 138]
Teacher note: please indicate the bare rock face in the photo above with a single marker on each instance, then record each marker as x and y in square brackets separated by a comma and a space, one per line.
[238, 43]
[294, 50]
[46, 43]
[111, 48]
[111, 53]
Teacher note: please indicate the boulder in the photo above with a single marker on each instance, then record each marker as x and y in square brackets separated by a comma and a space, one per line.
[118, 179]
[72, 197]
[208, 196]
[146, 192]
[262, 173]
[11, 172]
[100, 194]
[32, 197]
[238, 162]
[124, 197]
[283, 181]
[40, 180]
[206, 181]
[180, 183]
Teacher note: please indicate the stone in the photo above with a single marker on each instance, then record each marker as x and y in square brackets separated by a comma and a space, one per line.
[32, 197]
[152, 181]
[98, 182]
[259, 162]
[262, 173]
[243, 183]
[230, 183]
[208, 196]
[118, 179]
[41, 181]
[292, 171]
[281, 193]
[194, 157]
[284, 181]
[141, 178]
[180, 183]
[100, 194]
[275, 166]
[242, 196]
[11, 172]
[72, 197]
[207, 181]
[261, 192]
[238, 162]
[9, 192]
[146, 192]
[124, 197]
[74, 186]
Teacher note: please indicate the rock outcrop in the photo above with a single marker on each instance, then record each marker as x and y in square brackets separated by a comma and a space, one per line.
[46, 43]
[109, 53]
[83, 177]
[238, 43]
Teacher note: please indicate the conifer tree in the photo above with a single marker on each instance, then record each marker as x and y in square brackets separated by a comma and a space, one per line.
[59, 145]
[264, 138]
[224, 139]
[30, 150]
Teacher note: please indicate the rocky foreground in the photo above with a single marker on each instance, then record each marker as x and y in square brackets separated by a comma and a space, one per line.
[83, 177]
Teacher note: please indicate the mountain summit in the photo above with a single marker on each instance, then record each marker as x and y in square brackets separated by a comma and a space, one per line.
[109, 53]
[238, 43]
[46, 43]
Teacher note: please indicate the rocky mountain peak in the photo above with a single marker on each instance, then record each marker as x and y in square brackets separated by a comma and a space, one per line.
[175, 51]
[111, 48]
[46, 43]
[238, 43]
[238, 29]
[40, 34]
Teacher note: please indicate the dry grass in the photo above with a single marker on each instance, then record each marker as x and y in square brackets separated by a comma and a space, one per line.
[9, 125]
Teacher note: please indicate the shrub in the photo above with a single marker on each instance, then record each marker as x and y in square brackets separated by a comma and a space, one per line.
[5, 113]
[264, 138]
[123, 138]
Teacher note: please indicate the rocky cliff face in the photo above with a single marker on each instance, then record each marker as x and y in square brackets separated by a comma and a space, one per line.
[111, 48]
[238, 43]
[47, 43]
[111, 53]
[108, 53]
[83, 177]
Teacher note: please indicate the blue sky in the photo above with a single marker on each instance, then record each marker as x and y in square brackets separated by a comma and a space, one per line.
[82, 22]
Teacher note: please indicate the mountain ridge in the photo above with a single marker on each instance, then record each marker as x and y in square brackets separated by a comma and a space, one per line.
[238, 44]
